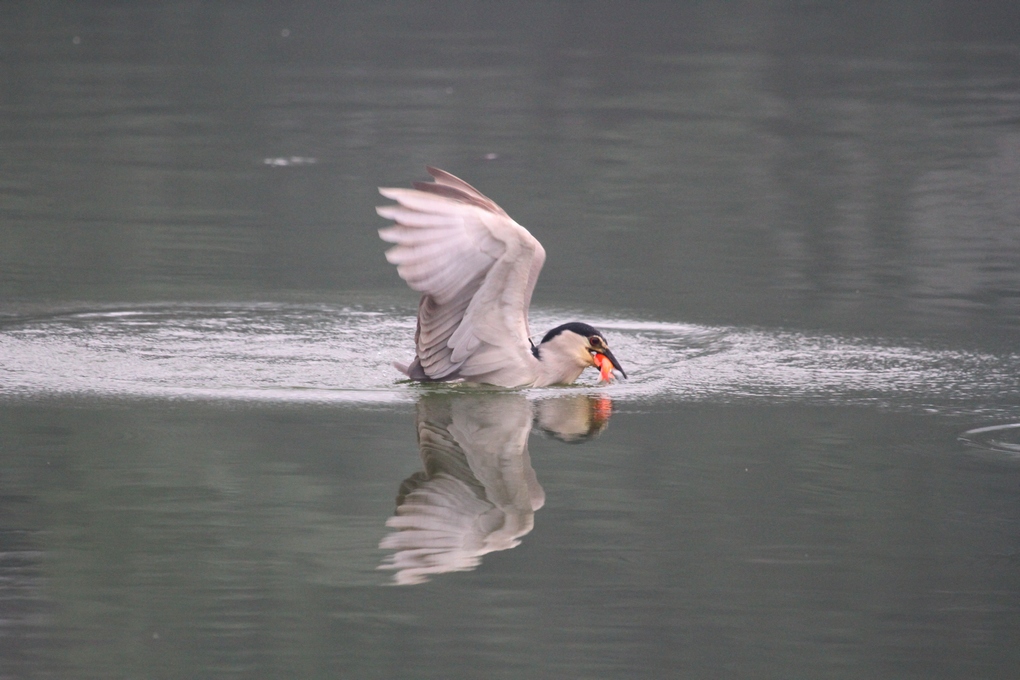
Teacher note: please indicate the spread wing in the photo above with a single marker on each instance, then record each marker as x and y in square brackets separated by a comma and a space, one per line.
[476, 269]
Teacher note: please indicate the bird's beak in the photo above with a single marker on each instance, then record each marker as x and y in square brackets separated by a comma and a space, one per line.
[616, 364]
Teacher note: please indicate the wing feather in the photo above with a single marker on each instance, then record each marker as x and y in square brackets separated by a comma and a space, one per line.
[444, 179]
[476, 269]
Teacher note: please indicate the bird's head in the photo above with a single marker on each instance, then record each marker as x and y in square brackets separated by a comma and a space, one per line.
[581, 344]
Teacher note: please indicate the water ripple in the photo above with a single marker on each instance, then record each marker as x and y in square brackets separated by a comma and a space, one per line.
[996, 438]
[343, 354]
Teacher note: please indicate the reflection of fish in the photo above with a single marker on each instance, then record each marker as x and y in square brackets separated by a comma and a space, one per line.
[478, 492]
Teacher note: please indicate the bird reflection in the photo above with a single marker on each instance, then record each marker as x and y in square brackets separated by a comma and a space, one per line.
[574, 419]
[478, 492]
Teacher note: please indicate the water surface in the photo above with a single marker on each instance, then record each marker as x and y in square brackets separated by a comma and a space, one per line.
[797, 225]
[323, 353]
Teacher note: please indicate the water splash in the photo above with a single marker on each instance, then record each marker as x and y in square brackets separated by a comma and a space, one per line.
[324, 353]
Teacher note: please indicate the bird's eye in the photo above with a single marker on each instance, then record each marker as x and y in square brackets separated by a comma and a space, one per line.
[595, 341]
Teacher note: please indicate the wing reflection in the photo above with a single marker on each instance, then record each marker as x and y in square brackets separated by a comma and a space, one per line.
[478, 492]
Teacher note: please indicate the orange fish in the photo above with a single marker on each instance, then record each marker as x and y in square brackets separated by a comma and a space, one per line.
[605, 367]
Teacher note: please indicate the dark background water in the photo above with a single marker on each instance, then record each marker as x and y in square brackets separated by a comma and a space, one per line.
[796, 164]
[848, 170]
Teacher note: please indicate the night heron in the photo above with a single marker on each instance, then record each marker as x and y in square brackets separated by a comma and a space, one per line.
[476, 269]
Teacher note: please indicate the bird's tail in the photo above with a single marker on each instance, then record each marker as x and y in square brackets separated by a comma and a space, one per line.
[414, 371]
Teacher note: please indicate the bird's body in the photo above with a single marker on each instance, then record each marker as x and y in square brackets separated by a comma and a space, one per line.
[476, 269]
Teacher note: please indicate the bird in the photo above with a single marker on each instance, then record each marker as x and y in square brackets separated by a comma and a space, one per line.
[476, 268]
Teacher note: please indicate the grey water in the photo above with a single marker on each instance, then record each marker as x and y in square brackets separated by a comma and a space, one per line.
[797, 225]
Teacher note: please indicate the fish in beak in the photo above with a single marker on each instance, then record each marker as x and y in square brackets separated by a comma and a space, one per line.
[606, 362]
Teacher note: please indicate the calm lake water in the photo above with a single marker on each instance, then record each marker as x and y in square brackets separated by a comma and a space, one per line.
[798, 226]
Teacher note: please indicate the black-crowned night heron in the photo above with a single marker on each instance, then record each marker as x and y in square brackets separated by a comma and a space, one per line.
[476, 269]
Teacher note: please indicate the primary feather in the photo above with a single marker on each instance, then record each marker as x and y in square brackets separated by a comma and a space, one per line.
[476, 269]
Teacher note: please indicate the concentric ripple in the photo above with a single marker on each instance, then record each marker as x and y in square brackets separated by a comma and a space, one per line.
[331, 353]
[997, 438]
